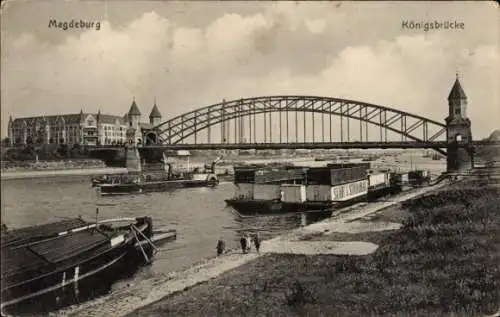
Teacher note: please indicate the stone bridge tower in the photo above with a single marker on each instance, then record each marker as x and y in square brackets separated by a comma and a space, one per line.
[458, 132]
[133, 158]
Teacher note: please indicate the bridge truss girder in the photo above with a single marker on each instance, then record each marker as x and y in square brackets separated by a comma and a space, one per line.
[176, 130]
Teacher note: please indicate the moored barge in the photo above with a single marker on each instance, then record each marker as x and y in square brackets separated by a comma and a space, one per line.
[157, 181]
[313, 189]
[41, 262]
[139, 185]
[296, 189]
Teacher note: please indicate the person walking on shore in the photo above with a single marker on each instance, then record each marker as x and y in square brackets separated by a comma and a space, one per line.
[249, 242]
[256, 242]
[221, 246]
[243, 242]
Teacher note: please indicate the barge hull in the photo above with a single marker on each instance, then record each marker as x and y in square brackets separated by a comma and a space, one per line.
[36, 273]
[121, 189]
[254, 207]
[249, 207]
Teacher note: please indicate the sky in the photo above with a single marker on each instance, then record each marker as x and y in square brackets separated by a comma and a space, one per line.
[191, 55]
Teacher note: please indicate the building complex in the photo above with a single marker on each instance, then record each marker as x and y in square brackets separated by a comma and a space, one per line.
[85, 128]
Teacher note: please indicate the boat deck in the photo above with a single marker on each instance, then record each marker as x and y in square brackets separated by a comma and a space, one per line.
[36, 255]
[28, 234]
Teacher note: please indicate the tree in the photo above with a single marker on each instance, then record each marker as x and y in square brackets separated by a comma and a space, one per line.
[63, 150]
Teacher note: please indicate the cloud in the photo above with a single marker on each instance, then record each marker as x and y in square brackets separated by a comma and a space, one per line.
[287, 49]
[316, 26]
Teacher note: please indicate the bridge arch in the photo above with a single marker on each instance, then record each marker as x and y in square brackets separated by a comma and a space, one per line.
[177, 129]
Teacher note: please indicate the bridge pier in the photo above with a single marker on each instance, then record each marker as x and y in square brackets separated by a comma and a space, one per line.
[133, 159]
[459, 159]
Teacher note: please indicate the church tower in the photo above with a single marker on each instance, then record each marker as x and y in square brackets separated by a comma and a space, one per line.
[155, 115]
[458, 131]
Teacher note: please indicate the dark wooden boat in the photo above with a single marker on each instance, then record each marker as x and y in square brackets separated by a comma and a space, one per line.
[44, 260]
[141, 184]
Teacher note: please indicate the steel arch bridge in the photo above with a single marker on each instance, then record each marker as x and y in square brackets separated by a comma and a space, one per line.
[419, 130]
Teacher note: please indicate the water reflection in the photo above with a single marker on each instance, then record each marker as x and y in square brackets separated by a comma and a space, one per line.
[270, 226]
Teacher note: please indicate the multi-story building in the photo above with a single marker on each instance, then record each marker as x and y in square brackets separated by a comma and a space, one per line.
[84, 128]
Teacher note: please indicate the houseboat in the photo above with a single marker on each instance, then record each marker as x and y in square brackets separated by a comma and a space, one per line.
[313, 189]
[257, 190]
[40, 263]
[303, 189]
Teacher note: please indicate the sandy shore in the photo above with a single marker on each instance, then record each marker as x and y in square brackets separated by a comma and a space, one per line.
[65, 172]
[124, 301]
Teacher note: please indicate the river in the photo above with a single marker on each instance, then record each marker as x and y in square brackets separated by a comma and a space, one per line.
[199, 215]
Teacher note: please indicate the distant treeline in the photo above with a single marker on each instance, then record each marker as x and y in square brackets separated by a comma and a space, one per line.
[46, 152]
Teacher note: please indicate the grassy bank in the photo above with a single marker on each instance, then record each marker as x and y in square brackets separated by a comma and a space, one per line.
[443, 262]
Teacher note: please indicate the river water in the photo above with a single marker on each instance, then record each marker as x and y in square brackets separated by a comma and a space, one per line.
[199, 215]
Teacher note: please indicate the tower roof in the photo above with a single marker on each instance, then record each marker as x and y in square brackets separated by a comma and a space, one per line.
[134, 110]
[155, 113]
[457, 92]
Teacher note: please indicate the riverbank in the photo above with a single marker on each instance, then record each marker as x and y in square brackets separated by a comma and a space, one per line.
[124, 301]
[63, 172]
[442, 262]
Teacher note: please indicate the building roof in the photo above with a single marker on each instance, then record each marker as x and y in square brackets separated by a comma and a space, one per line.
[51, 120]
[457, 92]
[155, 113]
[67, 119]
[107, 118]
[146, 126]
[134, 110]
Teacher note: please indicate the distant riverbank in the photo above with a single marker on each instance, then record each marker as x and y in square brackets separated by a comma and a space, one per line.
[22, 174]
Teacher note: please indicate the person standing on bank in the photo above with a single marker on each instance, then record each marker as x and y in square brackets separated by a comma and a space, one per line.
[249, 242]
[243, 242]
[221, 246]
[256, 242]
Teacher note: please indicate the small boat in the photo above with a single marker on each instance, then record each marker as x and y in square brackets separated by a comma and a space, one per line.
[42, 261]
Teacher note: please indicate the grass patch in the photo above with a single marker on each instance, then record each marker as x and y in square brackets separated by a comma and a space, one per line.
[443, 262]
[373, 237]
[390, 214]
